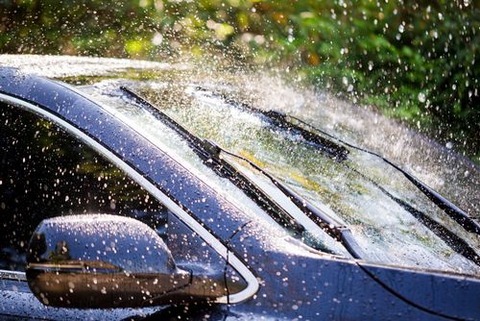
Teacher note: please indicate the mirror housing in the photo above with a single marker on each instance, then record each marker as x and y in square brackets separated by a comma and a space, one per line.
[107, 261]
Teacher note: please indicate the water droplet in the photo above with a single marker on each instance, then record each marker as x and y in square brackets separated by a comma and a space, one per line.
[157, 39]
[370, 65]
[422, 97]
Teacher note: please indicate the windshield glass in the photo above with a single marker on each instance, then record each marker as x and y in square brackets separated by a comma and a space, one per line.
[363, 192]
[114, 100]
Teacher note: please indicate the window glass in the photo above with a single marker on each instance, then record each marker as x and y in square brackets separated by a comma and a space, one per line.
[44, 172]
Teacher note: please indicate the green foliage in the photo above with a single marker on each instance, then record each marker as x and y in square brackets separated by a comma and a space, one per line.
[88, 27]
[416, 60]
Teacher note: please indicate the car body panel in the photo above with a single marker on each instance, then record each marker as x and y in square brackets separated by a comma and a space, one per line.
[343, 289]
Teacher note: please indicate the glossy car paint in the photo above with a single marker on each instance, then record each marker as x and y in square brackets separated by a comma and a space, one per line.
[287, 279]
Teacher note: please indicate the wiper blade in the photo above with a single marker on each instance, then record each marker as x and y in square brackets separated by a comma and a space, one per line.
[282, 121]
[210, 152]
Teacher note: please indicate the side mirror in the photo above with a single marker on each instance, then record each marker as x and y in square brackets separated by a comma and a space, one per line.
[106, 261]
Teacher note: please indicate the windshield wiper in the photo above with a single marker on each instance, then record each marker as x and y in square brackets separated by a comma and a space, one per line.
[340, 153]
[210, 153]
[282, 122]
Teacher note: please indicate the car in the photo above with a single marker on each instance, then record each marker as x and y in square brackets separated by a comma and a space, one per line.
[120, 202]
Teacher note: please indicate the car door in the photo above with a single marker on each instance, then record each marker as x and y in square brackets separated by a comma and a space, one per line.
[46, 171]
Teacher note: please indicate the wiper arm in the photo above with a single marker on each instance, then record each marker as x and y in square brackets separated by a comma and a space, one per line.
[210, 152]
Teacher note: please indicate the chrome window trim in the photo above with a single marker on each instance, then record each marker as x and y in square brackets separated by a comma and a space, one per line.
[230, 257]
[12, 275]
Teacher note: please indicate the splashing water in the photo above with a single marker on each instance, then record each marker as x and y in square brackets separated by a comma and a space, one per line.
[354, 190]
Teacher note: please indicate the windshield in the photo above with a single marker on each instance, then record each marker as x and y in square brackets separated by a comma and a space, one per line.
[363, 191]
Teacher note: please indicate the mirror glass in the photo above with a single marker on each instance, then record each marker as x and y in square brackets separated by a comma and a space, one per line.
[126, 244]
[100, 261]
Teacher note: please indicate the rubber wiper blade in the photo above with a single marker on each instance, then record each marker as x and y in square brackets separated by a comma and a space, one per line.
[210, 152]
[286, 123]
[326, 146]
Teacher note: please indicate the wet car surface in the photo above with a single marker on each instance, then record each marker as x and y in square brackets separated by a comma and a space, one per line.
[96, 149]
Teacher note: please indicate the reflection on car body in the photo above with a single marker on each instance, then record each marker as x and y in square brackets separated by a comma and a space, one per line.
[63, 153]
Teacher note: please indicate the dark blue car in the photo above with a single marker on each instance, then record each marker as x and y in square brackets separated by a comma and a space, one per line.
[117, 203]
